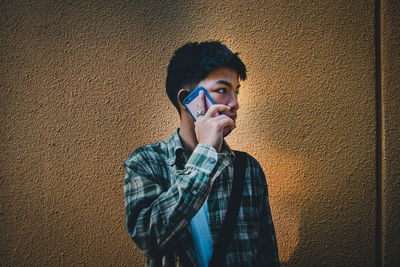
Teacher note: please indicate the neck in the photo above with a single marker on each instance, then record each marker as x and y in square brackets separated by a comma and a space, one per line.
[187, 135]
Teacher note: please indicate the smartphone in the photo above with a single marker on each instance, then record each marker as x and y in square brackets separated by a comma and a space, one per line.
[191, 102]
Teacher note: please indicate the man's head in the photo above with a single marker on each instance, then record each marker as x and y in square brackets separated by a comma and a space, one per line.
[193, 62]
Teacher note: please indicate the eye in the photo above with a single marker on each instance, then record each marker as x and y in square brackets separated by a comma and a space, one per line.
[221, 90]
[236, 93]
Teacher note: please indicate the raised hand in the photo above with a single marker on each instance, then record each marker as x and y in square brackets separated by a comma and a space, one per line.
[209, 127]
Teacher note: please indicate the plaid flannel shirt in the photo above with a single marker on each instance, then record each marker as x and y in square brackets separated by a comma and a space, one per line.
[163, 190]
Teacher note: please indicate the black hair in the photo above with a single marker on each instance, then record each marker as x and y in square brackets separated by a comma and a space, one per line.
[192, 63]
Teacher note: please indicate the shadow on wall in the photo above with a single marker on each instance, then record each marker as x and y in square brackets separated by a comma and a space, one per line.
[320, 169]
[92, 71]
[311, 124]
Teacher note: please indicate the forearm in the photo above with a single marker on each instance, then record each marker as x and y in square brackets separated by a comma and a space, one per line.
[155, 217]
[154, 220]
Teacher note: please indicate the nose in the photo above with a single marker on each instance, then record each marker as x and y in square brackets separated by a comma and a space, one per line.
[233, 102]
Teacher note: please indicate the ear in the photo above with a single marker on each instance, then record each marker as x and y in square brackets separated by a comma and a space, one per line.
[182, 94]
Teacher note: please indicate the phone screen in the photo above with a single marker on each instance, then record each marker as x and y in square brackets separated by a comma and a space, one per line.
[192, 102]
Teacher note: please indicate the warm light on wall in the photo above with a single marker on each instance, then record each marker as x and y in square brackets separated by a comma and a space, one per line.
[284, 175]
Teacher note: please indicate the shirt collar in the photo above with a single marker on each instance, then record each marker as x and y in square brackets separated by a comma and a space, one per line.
[175, 148]
[226, 151]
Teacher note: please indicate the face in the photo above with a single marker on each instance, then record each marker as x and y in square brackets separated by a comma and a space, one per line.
[223, 86]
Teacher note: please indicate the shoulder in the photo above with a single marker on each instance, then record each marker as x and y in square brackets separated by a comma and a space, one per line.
[253, 168]
[251, 162]
[148, 155]
[154, 150]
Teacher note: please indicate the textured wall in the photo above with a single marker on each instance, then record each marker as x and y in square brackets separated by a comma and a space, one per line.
[79, 84]
[391, 132]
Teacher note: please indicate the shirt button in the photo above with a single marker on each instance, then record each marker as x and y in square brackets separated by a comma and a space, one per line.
[211, 160]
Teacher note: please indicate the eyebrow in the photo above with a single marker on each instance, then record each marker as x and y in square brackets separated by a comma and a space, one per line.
[227, 83]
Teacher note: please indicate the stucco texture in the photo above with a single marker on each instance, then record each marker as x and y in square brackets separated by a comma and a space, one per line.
[390, 132]
[82, 86]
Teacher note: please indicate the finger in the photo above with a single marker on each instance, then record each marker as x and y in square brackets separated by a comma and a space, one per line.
[212, 111]
[225, 122]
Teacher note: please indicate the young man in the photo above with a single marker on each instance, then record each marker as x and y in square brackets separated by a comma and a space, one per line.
[176, 191]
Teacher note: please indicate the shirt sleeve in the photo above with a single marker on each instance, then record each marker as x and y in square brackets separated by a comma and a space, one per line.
[268, 253]
[155, 217]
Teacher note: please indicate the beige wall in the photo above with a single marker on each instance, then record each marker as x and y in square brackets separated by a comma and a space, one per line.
[80, 82]
[390, 130]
